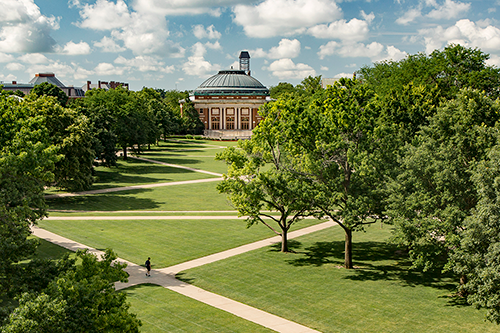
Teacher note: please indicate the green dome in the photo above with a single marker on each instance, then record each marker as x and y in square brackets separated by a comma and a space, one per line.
[231, 82]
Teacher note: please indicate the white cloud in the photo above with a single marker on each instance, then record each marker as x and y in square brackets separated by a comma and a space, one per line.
[76, 49]
[449, 10]
[410, 16]
[493, 61]
[24, 29]
[14, 66]
[286, 49]
[324, 68]
[284, 17]
[446, 11]
[109, 45]
[105, 15]
[353, 30]
[340, 75]
[33, 58]
[105, 68]
[375, 51]
[7, 78]
[62, 70]
[82, 73]
[145, 64]
[197, 65]
[141, 32]
[184, 7]
[201, 32]
[5, 57]
[464, 32]
[287, 69]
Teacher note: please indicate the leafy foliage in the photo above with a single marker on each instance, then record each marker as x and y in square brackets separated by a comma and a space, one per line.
[82, 299]
[49, 89]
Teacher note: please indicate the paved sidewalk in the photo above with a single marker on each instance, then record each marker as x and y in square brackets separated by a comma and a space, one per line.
[166, 277]
[177, 166]
[127, 188]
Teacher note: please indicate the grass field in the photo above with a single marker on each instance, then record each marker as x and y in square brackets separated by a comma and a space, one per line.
[162, 310]
[309, 287]
[167, 242]
[190, 197]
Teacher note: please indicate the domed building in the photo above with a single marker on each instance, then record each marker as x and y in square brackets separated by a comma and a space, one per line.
[228, 102]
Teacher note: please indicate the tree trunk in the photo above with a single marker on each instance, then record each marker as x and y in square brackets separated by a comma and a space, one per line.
[284, 241]
[462, 292]
[124, 153]
[348, 249]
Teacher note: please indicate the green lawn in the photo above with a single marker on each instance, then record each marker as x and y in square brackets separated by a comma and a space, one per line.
[311, 288]
[162, 310]
[167, 242]
[189, 197]
[200, 162]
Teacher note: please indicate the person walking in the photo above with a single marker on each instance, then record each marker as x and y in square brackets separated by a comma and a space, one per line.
[148, 266]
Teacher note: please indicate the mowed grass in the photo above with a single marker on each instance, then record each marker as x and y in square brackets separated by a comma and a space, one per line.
[136, 172]
[162, 310]
[167, 242]
[311, 288]
[189, 197]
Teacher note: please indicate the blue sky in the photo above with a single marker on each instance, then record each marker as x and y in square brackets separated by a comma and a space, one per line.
[179, 43]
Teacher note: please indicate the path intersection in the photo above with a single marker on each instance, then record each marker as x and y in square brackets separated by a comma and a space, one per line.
[165, 277]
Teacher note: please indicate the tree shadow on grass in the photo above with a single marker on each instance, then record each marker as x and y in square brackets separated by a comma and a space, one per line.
[105, 202]
[373, 261]
[182, 277]
[293, 246]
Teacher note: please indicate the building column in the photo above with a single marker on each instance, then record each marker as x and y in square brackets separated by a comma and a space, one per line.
[222, 118]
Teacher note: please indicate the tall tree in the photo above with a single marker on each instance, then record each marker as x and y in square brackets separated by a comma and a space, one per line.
[258, 182]
[434, 193]
[49, 89]
[27, 160]
[334, 141]
[477, 258]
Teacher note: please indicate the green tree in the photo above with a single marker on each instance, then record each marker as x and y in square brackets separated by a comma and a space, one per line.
[434, 192]
[83, 299]
[310, 85]
[258, 182]
[71, 133]
[27, 161]
[281, 89]
[451, 69]
[477, 258]
[49, 89]
[334, 141]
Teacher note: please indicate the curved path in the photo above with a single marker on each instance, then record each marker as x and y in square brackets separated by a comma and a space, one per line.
[165, 277]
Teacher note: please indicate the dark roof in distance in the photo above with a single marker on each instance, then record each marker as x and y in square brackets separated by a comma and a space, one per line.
[46, 77]
[244, 54]
[231, 82]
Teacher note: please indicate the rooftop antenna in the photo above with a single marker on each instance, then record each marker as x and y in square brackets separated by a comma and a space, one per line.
[245, 62]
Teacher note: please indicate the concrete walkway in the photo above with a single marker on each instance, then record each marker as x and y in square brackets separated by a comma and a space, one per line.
[135, 187]
[177, 166]
[165, 277]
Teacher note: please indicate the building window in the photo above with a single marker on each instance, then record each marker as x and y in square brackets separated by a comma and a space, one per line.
[215, 122]
[245, 123]
[230, 122]
[201, 111]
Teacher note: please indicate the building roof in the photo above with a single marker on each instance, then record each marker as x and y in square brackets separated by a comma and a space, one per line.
[231, 82]
[46, 77]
